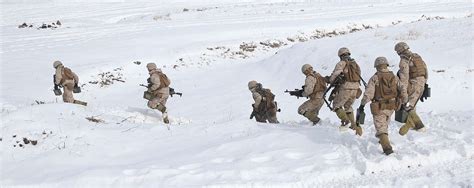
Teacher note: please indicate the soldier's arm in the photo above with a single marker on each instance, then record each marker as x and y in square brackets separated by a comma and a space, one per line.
[58, 76]
[76, 78]
[369, 90]
[155, 80]
[309, 86]
[257, 98]
[404, 76]
[403, 95]
[337, 71]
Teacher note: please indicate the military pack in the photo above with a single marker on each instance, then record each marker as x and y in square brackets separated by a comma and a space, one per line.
[67, 74]
[386, 93]
[320, 83]
[269, 98]
[351, 71]
[418, 66]
[164, 81]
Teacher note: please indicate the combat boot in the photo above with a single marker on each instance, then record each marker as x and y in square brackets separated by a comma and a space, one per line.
[312, 117]
[165, 118]
[341, 114]
[407, 126]
[385, 143]
[350, 117]
[419, 126]
[80, 102]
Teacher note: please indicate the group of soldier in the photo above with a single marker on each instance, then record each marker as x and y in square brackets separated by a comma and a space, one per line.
[385, 91]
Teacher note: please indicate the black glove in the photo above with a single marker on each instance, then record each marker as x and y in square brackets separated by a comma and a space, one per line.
[75, 85]
[56, 87]
[327, 78]
[361, 107]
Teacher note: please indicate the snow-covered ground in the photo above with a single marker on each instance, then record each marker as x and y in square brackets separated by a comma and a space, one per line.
[211, 49]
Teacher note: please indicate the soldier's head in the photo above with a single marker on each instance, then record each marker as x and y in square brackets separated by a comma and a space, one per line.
[151, 66]
[254, 85]
[343, 52]
[56, 64]
[401, 48]
[306, 69]
[381, 63]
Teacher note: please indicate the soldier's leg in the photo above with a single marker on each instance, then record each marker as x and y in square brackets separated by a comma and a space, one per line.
[67, 94]
[338, 105]
[162, 108]
[414, 93]
[271, 116]
[418, 124]
[381, 126]
[307, 109]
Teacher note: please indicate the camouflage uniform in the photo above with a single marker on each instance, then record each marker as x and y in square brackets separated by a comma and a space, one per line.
[160, 91]
[265, 110]
[347, 92]
[310, 108]
[67, 84]
[372, 94]
[412, 86]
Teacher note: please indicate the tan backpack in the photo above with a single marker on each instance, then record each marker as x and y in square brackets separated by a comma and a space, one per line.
[320, 83]
[386, 92]
[269, 99]
[419, 67]
[164, 81]
[353, 71]
[67, 74]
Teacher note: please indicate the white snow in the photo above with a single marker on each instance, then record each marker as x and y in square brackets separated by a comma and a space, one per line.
[211, 142]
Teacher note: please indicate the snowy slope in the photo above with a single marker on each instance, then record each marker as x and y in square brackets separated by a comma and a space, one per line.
[210, 141]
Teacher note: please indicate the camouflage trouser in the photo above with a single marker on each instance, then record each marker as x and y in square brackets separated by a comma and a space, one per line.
[310, 108]
[269, 115]
[158, 102]
[381, 121]
[415, 89]
[67, 94]
[345, 98]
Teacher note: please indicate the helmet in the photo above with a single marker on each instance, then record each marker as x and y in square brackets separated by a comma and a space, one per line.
[401, 47]
[380, 61]
[56, 64]
[252, 84]
[305, 67]
[151, 66]
[343, 51]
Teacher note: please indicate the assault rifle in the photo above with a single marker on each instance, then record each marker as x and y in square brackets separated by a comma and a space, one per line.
[172, 91]
[335, 86]
[297, 92]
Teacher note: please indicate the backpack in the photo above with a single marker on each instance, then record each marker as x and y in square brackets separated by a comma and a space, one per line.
[320, 83]
[67, 74]
[419, 67]
[269, 98]
[353, 71]
[164, 81]
[386, 92]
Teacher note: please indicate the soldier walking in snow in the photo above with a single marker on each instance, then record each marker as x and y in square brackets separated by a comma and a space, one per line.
[67, 79]
[158, 87]
[383, 93]
[413, 75]
[314, 88]
[265, 107]
[348, 91]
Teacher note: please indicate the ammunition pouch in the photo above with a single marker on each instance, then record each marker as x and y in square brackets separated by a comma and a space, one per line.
[148, 95]
[76, 89]
[57, 92]
[401, 115]
[378, 105]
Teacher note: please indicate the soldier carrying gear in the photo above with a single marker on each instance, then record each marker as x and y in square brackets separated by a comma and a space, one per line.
[64, 77]
[413, 75]
[314, 88]
[265, 107]
[159, 88]
[383, 93]
[348, 91]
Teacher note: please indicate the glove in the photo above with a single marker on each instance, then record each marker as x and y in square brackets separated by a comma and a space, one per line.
[76, 85]
[361, 107]
[327, 78]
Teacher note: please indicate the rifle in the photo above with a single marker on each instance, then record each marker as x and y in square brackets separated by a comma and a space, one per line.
[297, 92]
[172, 91]
[56, 90]
[337, 82]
